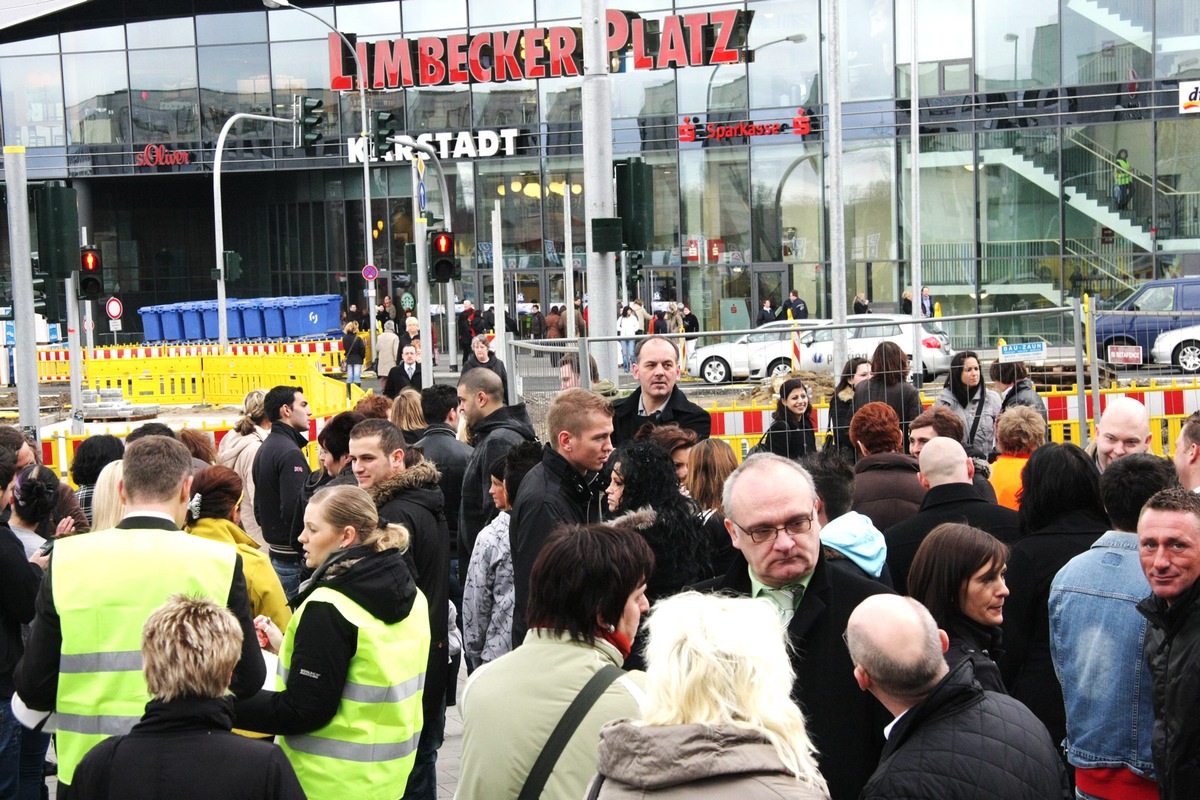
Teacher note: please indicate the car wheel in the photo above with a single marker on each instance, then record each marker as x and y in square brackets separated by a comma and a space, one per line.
[780, 366]
[714, 370]
[1187, 356]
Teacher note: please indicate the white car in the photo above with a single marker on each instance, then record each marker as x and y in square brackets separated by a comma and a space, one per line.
[766, 351]
[1180, 348]
[816, 352]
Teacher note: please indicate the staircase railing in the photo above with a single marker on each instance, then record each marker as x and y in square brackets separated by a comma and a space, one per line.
[1114, 279]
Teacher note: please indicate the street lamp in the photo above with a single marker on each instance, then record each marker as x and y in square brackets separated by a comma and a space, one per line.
[362, 101]
[1014, 38]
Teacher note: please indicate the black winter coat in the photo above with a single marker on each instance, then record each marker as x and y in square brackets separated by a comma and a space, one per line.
[677, 409]
[1173, 652]
[841, 411]
[950, 502]
[19, 582]
[450, 456]
[414, 499]
[280, 470]
[1023, 394]
[494, 364]
[353, 349]
[979, 644]
[886, 488]
[397, 380]
[962, 743]
[1032, 564]
[903, 397]
[845, 723]
[325, 641]
[185, 750]
[493, 436]
[553, 493]
[789, 439]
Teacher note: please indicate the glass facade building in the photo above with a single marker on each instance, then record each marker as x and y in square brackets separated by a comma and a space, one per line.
[1056, 156]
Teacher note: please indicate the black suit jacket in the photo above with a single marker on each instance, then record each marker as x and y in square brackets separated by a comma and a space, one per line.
[950, 502]
[845, 723]
[677, 409]
[398, 380]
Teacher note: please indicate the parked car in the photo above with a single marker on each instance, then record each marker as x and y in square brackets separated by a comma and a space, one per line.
[1165, 305]
[766, 351]
[817, 349]
[1179, 348]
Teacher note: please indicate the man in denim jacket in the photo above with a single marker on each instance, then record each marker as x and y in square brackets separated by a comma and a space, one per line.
[1096, 642]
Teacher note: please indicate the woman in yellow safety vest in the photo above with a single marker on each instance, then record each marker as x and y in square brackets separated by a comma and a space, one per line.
[352, 664]
[1122, 180]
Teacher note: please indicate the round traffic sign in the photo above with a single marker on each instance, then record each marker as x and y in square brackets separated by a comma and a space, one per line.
[370, 272]
[113, 308]
[88, 325]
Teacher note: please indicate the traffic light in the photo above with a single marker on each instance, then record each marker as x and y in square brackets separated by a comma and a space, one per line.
[40, 283]
[635, 202]
[385, 128]
[91, 272]
[443, 266]
[311, 113]
[233, 265]
[633, 269]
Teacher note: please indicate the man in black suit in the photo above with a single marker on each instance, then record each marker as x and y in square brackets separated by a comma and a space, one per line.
[946, 473]
[657, 399]
[406, 373]
[772, 519]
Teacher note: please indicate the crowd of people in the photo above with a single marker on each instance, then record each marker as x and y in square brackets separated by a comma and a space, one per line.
[910, 602]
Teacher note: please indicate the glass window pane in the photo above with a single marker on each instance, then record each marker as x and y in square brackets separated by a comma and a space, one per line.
[433, 15]
[236, 79]
[956, 78]
[721, 88]
[161, 33]
[1176, 27]
[502, 105]
[510, 13]
[785, 37]
[303, 68]
[1096, 54]
[715, 205]
[517, 184]
[1179, 175]
[439, 109]
[31, 91]
[165, 102]
[97, 98]
[867, 47]
[288, 23]
[250, 26]
[788, 208]
[369, 19]
[30, 47]
[1016, 44]
[93, 39]
[644, 93]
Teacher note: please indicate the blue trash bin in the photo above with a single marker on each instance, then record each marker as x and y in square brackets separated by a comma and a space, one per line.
[272, 316]
[151, 323]
[331, 316]
[212, 321]
[297, 323]
[172, 322]
[193, 321]
[252, 318]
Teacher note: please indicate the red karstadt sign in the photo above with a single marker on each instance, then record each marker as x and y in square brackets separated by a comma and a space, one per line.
[681, 40]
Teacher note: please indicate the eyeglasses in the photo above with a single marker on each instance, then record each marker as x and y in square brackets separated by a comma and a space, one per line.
[768, 533]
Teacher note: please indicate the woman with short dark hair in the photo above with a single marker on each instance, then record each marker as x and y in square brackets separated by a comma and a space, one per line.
[889, 384]
[958, 574]
[1061, 515]
[93, 454]
[586, 598]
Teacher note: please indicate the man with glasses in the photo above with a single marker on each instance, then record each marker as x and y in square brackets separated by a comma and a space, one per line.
[771, 506]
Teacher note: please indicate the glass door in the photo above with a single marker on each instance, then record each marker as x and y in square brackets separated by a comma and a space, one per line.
[768, 286]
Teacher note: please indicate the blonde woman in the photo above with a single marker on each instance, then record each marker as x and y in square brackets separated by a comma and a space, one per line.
[237, 450]
[407, 415]
[107, 506]
[354, 353]
[353, 660]
[718, 720]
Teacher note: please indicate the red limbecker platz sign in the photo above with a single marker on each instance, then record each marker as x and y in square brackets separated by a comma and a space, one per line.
[682, 40]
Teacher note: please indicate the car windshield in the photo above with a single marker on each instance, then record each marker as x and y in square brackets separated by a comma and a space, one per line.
[768, 336]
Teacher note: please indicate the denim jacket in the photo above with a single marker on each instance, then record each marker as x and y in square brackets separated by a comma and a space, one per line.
[1096, 642]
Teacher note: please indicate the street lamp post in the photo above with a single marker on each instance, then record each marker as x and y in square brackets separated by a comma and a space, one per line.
[1015, 38]
[362, 101]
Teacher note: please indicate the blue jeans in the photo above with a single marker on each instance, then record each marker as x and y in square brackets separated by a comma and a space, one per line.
[422, 782]
[289, 574]
[354, 374]
[627, 348]
[22, 758]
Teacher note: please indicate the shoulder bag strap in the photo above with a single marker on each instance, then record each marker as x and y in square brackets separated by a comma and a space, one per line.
[565, 729]
[594, 792]
[978, 412]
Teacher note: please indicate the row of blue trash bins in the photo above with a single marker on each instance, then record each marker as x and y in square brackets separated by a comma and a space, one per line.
[264, 318]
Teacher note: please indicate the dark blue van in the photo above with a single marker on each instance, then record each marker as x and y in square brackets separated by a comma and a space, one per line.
[1167, 305]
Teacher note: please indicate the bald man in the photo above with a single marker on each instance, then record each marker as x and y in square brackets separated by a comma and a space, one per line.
[1124, 428]
[946, 473]
[950, 739]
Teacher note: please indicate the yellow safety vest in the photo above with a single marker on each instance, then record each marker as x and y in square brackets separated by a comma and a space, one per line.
[369, 747]
[1121, 175]
[105, 585]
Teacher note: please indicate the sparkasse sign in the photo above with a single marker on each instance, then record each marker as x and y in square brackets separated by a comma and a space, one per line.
[682, 40]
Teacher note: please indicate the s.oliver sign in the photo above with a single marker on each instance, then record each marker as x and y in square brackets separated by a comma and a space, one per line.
[681, 40]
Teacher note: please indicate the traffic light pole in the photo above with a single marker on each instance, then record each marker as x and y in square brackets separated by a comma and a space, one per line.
[73, 354]
[219, 220]
[419, 236]
[25, 363]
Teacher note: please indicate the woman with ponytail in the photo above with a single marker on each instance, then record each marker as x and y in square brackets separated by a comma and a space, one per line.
[33, 499]
[214, 512]
[347, 705]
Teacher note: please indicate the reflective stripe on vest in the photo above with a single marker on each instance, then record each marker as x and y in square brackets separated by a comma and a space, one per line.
[368, 749]
[105, 585]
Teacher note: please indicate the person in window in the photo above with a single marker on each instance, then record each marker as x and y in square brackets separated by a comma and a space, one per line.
[1122, 180]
